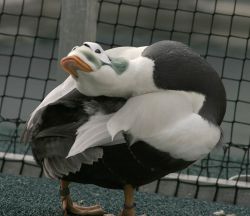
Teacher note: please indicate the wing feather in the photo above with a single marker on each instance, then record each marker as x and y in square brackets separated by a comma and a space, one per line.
[60, 91]
[53, 125]
[92, 134]
[169, 121]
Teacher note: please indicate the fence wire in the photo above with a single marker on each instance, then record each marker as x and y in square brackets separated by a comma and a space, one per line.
[28, 58]
[217, 29]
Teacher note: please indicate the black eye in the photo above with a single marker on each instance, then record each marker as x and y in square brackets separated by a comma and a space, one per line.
[98, 51]
[74, 48]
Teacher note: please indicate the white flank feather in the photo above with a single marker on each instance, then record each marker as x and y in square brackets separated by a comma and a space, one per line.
[94, 133]
[167, 120]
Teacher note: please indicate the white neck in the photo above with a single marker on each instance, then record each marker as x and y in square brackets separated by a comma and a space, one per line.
[136, 80]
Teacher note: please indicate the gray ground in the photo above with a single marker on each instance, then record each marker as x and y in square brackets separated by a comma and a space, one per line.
[39, 197]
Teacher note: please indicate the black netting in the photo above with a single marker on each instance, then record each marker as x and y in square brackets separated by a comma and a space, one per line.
[217, 29]
[28, 59]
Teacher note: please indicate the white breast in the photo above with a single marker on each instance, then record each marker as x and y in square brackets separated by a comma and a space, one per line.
[169, 121]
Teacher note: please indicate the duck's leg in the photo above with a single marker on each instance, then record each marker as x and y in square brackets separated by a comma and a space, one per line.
[69, 206]
[129, 205]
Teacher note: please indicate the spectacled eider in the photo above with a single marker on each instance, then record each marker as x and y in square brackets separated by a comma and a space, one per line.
[126, 117]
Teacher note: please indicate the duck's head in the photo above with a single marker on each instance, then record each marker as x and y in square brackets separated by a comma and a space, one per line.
[97, 72]
[88, 58]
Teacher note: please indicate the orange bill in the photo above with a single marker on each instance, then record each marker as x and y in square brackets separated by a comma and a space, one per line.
[73, 63]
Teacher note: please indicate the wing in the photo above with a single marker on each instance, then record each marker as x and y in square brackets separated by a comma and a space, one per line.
[60, 91]
[94, 133]
[53, 128]
[168, 121]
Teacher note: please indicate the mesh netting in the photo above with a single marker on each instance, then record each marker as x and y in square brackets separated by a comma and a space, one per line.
[28, 59]
[216, 29]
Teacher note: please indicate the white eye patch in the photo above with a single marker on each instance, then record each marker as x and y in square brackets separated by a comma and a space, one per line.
[99, 51]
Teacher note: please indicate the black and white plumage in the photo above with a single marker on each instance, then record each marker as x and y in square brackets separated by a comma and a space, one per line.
[128, 115]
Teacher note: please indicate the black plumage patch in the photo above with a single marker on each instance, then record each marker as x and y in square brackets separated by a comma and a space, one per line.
[121, 164]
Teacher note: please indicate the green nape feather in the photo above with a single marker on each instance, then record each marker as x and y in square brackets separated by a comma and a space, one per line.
[119, 65]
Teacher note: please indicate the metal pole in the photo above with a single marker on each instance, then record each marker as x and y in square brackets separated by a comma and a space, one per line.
[77, 24]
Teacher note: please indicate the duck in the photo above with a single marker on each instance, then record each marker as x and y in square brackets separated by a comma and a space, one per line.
[126, 117]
